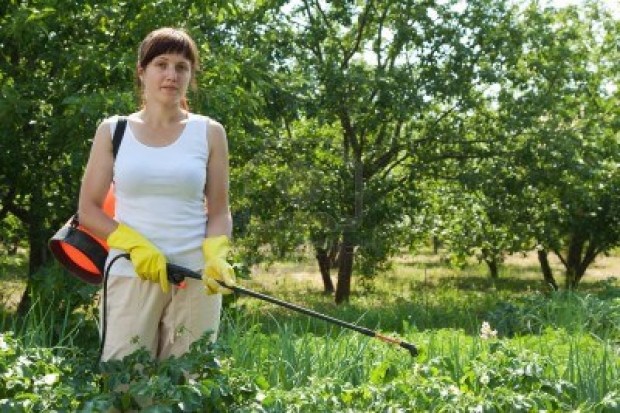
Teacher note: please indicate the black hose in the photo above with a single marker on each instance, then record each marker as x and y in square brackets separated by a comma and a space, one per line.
[104, 304]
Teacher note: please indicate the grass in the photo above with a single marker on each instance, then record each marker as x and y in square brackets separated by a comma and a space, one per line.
[419, 291]
[552, 351]
[441, 310]
[13, 273]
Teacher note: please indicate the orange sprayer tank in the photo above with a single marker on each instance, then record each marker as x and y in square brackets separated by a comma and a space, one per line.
[78, 250]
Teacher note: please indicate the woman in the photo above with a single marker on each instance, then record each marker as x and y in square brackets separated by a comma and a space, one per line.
[171, 168]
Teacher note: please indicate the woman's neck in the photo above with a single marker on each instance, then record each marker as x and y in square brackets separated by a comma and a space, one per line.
[161, 115]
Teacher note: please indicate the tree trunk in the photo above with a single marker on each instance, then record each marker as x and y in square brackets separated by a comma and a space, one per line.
[343, 290]
[24, 302]
[38, 250]
[580, 254]
[588, 258]
[36, 258]
[38, 254]
[543, 259]
[492, 262]
[323, 259]
[352, 152]
[436, 245]
[493, 267]
[573, 261]
[334, 262]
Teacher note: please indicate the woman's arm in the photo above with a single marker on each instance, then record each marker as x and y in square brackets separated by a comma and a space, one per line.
[216, 191]
[96, 183]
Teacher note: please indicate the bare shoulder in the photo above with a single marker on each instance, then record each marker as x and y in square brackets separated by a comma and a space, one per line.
[103, 130]
[216, 134]
[216, 129]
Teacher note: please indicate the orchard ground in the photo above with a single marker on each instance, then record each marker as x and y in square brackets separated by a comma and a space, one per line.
[304, 275]
[429, 267]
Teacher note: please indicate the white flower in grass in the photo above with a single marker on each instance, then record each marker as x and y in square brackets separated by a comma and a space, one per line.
[3, 345]
[451, 390]
[486, 332]
[455, 391]
[24, 360]
[610, 400]
[484, 379]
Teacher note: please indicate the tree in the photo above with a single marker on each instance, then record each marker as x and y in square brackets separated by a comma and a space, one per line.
[552, 183]
[47, 108]
[388, 76]
[561, 100]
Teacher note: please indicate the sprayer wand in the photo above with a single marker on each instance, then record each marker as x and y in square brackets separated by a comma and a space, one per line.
[177, 274]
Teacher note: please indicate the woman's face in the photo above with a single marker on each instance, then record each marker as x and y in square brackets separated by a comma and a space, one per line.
[166, 78]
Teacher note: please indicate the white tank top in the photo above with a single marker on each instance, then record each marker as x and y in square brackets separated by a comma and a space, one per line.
[160, 193]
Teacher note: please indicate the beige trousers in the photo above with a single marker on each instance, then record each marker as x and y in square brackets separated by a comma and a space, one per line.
[139, 314]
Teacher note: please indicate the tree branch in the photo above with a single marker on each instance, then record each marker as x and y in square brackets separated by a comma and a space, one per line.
[315, 47]
[349, 132]
[394, 164]
[358, 38]
[589, 256]
[559, 255]
[387, 156]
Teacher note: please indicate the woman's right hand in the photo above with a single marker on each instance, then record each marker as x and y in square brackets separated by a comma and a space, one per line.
[148, 261]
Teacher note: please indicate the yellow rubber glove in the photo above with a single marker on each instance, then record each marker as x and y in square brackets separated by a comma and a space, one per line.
[215, 250]
[148, 260]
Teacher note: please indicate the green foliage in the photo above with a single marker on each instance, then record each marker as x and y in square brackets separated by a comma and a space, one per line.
[196, 381]
[369, 123]
[372, 110]
[563, 141]
[471, 374]
[560, 355]
[349, 122]
[61, 312]
[66, 379]
[541, 162]
[35, 378]
[12, 236]
[291, 193]
[534, 313]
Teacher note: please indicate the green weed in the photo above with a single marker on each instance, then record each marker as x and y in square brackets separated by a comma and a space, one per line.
[503, 345]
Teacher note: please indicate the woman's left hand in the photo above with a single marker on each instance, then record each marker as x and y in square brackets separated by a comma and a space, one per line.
[215, 250]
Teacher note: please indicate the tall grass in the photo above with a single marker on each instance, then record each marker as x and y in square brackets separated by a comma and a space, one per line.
[554, 351]
[61, 312]
[293, 353]
[44, 325]
[293, 356]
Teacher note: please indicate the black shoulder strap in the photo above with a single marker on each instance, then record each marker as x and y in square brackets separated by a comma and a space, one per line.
[119, 132]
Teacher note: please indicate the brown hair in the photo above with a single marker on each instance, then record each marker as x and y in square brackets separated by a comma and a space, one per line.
[167, 40]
